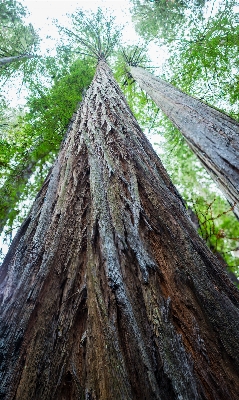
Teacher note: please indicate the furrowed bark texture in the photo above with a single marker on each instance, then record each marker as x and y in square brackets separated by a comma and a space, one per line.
[212, 135]
[107, 291]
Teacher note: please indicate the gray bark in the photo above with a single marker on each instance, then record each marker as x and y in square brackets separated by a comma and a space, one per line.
[107, 291]
[9, 60]
[212, 135]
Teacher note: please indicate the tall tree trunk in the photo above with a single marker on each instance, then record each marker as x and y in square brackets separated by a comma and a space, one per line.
[107, 291]
[212, 135]
[9, 60]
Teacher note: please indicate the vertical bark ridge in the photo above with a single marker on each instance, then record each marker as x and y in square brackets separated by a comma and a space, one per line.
[107, 291]
[212, 135]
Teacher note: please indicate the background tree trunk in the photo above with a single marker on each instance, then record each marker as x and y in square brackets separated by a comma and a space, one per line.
[9, 60]
[107, 291]
[212, 135]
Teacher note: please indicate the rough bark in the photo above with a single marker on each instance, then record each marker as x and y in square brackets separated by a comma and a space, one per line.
[212, 135]
[107, 291]
[9, 60]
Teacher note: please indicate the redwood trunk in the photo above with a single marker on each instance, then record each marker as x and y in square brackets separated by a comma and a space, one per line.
[212, 135]
[107, 291]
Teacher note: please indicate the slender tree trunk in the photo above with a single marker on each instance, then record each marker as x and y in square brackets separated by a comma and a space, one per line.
[9, 60]
[107, 291]
[212, 135]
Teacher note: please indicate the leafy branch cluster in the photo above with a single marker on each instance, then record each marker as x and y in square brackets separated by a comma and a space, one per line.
[217, 228]
[17, 40]
[93, 35]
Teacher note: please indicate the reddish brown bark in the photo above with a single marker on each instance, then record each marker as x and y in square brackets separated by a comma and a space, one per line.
[212, 135]
[107, 291]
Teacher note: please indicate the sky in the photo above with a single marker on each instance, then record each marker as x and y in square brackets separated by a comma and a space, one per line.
[43, 12]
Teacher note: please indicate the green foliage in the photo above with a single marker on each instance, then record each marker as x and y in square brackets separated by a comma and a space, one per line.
[163, 18]
[93, 34]
[134, 56]
[11, 11]
[219, 228]
[207, 64]
[8, 124]
[16, 38]
[52, 109]
[143, 108]
[202, 44]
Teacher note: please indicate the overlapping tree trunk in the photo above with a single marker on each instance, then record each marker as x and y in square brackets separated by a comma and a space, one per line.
[212, 135]
[107, 291]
